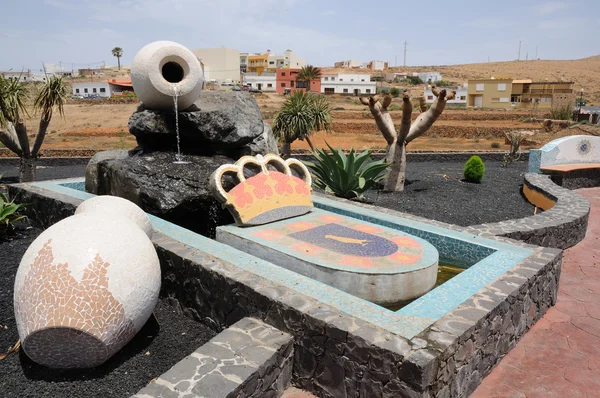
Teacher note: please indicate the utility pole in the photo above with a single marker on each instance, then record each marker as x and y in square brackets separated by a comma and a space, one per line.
[536, 47]
[519, 56]
[405, 43]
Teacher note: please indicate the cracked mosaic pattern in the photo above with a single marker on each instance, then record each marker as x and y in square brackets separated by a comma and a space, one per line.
[66, 323]
[566, 150]
[249, 359]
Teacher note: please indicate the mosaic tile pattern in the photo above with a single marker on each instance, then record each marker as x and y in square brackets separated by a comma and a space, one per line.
[70, 324]
[566, 150]
[269, 195]
[86, 285]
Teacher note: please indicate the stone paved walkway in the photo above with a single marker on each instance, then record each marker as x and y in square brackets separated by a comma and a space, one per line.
[560, 355]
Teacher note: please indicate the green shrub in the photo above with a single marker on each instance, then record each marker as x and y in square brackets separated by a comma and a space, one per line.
[495, 145]
[414, 80]
[444, 83]
[474, 169]
[9, 214]
[395, 91]
[562, 113]
[382, 90]
[346, 176]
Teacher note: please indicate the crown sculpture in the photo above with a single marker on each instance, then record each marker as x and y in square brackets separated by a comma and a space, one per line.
[271, 194]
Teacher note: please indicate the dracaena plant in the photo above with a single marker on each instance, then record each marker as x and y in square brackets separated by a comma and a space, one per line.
[346, 176]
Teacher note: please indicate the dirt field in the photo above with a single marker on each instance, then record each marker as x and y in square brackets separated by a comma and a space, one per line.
[104, 126]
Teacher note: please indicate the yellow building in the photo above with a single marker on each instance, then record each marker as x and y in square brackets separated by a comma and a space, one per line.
[503, 92]
[490, 93]
[258, 63]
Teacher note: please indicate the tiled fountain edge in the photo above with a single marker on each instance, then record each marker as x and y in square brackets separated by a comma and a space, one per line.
[338, 355]
[562, 226]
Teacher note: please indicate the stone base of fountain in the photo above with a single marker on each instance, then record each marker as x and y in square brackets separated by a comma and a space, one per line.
[221, 122]
[175, 192]
[220, 128]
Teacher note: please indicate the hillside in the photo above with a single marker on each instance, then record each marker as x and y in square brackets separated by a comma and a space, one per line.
[583, 72]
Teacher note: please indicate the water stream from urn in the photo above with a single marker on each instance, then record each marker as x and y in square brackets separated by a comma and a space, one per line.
[178, 157]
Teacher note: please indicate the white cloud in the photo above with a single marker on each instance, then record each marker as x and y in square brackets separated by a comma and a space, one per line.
[551, 7]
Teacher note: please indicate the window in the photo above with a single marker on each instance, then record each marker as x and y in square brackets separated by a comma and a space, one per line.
[94, 90]
[271, 62]
[85, 90]
[326, 78]
[368, 91]
[292, 83]
[463, 98]
[345, 90]
[341, 80]
[282, 84]
[495, 99]
[269, 85]
[505, 99]
[351, 80]
[430, 97]
[102, 90]
[329, 90]
[501, 86]
[282, 73]
[362, 80]
[479, 87]
[76, 91]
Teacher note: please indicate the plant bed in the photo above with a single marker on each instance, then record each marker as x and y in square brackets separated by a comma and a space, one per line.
[436, 190]
[162, 342]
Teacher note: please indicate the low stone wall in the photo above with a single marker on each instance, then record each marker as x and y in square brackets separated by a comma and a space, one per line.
[338, 355]
[248, 359]
[562, 226]
[576, 179]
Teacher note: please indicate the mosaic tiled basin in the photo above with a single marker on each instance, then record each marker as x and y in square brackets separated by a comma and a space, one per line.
[374, 263]
[87, 285]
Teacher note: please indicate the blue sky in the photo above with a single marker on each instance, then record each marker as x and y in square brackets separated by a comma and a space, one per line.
[438, 32]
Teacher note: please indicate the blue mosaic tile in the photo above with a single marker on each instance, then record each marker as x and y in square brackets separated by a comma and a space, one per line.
[484, 260]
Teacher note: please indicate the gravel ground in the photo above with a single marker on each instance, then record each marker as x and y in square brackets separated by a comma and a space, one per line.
[154, 350]
[436, 191]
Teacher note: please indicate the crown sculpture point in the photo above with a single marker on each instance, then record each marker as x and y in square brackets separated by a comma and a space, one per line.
[162, 69]
[87, 285]
[269, 195]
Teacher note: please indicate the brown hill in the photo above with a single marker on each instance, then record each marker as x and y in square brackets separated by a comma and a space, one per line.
[583, 72]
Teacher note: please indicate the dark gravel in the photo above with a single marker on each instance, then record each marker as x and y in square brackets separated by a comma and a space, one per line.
[436, 191]
[154, 350]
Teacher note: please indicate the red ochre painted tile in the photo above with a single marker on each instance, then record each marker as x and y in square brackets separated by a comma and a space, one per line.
[560, 355]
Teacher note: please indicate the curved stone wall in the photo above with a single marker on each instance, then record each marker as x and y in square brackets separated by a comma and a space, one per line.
[561, 226]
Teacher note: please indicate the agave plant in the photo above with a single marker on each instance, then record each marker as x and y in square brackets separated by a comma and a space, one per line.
[346, 176]
[9, 214]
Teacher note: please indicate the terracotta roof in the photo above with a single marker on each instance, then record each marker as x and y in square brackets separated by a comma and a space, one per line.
[122, 83]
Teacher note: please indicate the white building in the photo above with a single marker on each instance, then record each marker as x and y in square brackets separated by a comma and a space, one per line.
[287, 60]
[461, 94]
[351, 63]
[103, 89]
[347, 83]
[376, 65]
[223, 64]
[429, 77]
[24, 76]
[60, 70]
[265, 82]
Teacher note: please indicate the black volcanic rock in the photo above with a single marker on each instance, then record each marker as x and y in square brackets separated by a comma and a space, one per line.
[220, 122]
[178, 193]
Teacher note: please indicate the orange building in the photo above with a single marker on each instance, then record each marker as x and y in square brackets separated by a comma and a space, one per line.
[287, 80]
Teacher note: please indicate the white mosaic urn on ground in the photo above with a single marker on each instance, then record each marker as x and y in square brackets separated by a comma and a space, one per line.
[87, 285]
[161, 67]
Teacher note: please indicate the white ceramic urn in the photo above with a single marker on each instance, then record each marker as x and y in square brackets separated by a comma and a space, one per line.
[87, 285]
[162, 67]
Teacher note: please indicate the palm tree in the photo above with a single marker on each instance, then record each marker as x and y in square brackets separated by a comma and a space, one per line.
[301, 115]
[118, 52]
[307, 74]
[13, 132]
